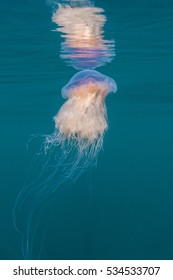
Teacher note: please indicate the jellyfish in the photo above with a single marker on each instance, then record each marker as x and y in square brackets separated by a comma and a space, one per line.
[81, 122]
[66, 154]
[83, 115]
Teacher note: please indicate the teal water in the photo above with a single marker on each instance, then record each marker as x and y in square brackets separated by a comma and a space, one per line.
[124, 210]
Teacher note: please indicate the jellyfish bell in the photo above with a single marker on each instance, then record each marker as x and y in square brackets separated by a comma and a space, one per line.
[83, 116]
[89, 78]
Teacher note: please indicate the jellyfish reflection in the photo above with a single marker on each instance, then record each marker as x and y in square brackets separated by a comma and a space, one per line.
[82, 28]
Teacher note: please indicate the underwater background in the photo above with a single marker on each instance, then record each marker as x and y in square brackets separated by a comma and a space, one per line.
[123, 209]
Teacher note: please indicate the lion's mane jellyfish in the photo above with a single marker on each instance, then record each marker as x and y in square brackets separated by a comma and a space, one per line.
[81, 122]
[71, 150]
[83, 115]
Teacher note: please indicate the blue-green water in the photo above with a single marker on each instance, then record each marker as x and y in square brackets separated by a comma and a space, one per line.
[125, 210]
